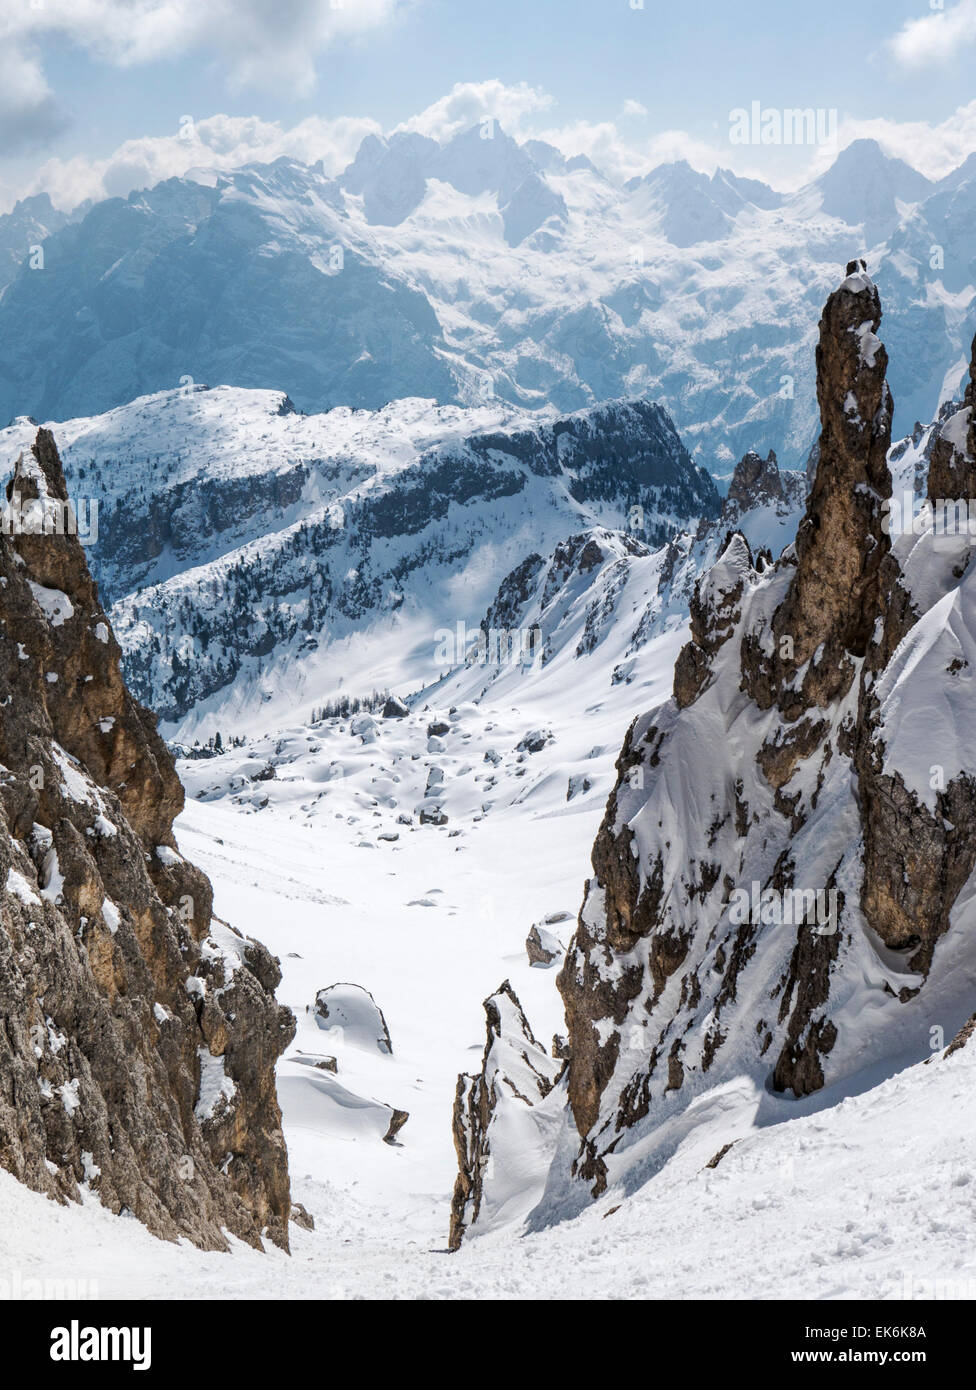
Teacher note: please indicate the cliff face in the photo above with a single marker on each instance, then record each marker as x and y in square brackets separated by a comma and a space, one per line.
[782, 882]
[139, 1034]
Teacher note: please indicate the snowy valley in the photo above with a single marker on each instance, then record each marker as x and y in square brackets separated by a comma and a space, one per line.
[553, 874]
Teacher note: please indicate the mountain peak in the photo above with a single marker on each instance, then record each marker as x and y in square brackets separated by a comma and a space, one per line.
[864, 186]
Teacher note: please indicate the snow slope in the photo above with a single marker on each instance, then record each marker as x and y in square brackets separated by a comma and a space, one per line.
[823, 1205]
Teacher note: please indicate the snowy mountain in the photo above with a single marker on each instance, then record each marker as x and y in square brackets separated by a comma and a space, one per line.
[24, 229]
[254, 555]
[483, 268]
[782, 896]
[865, 188]
[407, 861]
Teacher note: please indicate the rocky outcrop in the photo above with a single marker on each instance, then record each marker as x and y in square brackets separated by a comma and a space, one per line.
[354, 1012]
[952, 469]
[758, 482]
[775, 865]
[542, 946]
[494, 1112]
[140, 1034]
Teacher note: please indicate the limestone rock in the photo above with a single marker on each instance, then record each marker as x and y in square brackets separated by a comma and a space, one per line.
[542, 947]
[140, 1033]
[774, 860]
[492, 1109]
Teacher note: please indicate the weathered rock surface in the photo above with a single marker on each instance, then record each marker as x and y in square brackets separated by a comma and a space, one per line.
[140, 1034]
[952, 468]
[758, 482]
[493, 1111]
[775, 866]
[542, 947]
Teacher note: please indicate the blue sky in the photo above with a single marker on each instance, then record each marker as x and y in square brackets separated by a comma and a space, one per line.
[83, 79]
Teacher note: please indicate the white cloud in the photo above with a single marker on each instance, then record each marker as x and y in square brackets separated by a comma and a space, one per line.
[621, 157]
[469, 102]
[226, 142]
[28, 114]
[257, 43]
[634, 108]
[935, 38]
[218, 142]
[935, 150]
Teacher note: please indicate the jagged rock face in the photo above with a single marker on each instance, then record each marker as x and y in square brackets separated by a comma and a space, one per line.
[841, 543]
[755, 480]
[140, 1034]
[952, 470]
[775, 867]
[495, 1115]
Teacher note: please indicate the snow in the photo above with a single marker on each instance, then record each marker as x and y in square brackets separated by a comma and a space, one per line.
[55, 605]
[497, 264]
[19, 886]
[791, 1211]
[217, 1089]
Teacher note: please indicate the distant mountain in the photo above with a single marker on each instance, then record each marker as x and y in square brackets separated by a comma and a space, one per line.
[483, 269]
[23, 229]
[864, 186]
[240, 542]
[693, 208]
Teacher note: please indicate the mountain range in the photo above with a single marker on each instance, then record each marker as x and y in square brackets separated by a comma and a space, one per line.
[479, 269]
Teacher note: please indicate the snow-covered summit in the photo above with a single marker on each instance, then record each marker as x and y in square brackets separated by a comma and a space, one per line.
[481, 265]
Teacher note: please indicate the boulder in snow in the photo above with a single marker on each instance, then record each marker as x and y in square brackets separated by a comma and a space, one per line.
[356, 1012]
[542, 947]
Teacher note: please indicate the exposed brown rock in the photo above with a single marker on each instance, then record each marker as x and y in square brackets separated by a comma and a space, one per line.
[834, 597]
[542, 947]
[756, 480]
[652, 981]
[139, 1034]
[962, 1037]
[397, 1120]
[952, 467]
[516, 1071]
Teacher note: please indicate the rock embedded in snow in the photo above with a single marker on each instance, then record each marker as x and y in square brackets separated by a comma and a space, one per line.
[301, 1217]
[542, 947]
[319, 1062]
[353, 1010]
[364, 726]
[395, 708]
[578, 786]
[397, 1120]
[495, 1124]
[534, 741]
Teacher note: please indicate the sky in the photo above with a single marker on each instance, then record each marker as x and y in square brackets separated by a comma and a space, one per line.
[98, 97]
